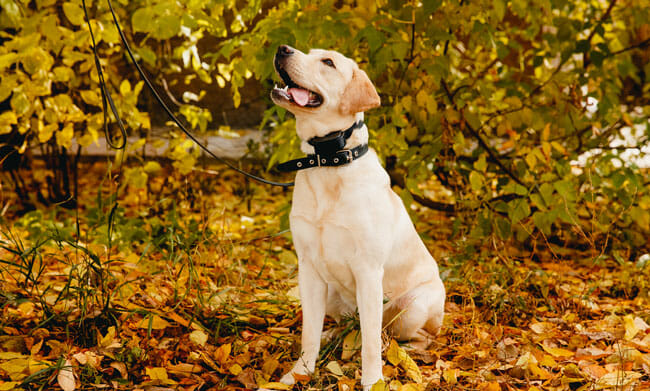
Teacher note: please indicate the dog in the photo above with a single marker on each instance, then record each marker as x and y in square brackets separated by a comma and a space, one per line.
[356, 245]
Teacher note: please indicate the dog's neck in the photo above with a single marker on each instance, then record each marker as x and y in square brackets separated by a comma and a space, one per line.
[309, 126]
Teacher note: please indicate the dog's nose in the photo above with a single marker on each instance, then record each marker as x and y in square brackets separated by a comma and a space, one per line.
[285, 51]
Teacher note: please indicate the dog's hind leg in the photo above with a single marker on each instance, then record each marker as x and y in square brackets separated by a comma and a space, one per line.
[417, 315]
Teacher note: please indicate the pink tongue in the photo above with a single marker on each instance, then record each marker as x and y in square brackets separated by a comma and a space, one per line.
[300, 96]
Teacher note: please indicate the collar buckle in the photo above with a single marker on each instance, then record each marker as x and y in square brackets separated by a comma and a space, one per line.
[348, 155]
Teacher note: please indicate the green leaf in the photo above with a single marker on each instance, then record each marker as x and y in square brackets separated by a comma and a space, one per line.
[476, 180]
[544, 220]
[566, 189]
[167, 27]
[143, 20]
[504, 229]
[518, 210]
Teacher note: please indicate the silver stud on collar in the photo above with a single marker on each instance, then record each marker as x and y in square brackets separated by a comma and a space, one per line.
[311, 161]
[356, 153]
[336, 160]
[323, 161]
[299, 164]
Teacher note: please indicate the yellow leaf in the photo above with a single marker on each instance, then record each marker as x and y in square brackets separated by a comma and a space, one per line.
[270, 366]
[35, 365]
[64, 137]
[351, 345]
[26, 308]
[492, 386]
[276, 386]
[395, 354]
[379, 386]
[108, 339]
[548, 361]
[450, 375]
[157, 323]
[65, 378]
[235, 369]
[558, 352]
[8, 386]
[222, 353]
[410, 387]
[398, 356]
[125, 87]
[539, 373]
[157, 373]
[16, 369]
[631, 330]
[412, 369]
[546, 132]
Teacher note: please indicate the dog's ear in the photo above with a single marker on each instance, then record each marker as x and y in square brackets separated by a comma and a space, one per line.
[359, 95]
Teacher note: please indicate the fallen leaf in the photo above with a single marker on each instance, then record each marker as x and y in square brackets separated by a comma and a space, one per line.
[156, 323]
[198, 337]
[351, 345]
[617, 379]
[65, 378]
[451, 375]
[557, 352]
[235, 369]
[276, 386]
[335, 368]
[379, 386]
[398, 356]
[222, 353]
[631, 328]
[121, 368]
[8, 386]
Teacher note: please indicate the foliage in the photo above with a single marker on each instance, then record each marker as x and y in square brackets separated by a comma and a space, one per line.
[498, 100]
[188, 295]
[499, 116]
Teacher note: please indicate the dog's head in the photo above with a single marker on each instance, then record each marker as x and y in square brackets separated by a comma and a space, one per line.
[323, 83]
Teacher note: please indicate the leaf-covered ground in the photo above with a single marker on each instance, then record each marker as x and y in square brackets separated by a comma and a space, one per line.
[193, 287]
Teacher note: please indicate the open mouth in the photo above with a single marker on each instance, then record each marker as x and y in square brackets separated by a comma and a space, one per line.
[294, 93]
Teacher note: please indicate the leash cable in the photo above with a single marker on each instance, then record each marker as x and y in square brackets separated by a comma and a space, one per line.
[106, 96]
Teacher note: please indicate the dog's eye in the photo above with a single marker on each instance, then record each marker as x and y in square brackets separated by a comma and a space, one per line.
[328, 62]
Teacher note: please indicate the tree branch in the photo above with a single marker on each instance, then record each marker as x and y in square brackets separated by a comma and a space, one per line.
[482, 142]
[639, 45]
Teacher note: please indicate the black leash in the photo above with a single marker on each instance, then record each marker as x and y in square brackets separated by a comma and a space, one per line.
[106, 96]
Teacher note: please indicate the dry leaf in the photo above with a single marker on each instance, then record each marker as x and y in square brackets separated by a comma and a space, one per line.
[156, 323]
[276, 386]
[351, 345]
[617, 379]
[198, 337]
[557, 352]
[65, 378]
[335, 368]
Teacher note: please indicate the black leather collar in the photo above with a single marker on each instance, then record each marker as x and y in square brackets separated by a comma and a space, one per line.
[329, 151]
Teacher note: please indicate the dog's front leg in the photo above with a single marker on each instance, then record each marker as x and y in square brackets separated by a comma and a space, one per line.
[313, 295]
[370, 302]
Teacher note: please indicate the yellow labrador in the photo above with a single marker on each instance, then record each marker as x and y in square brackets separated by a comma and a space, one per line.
[357, 247]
